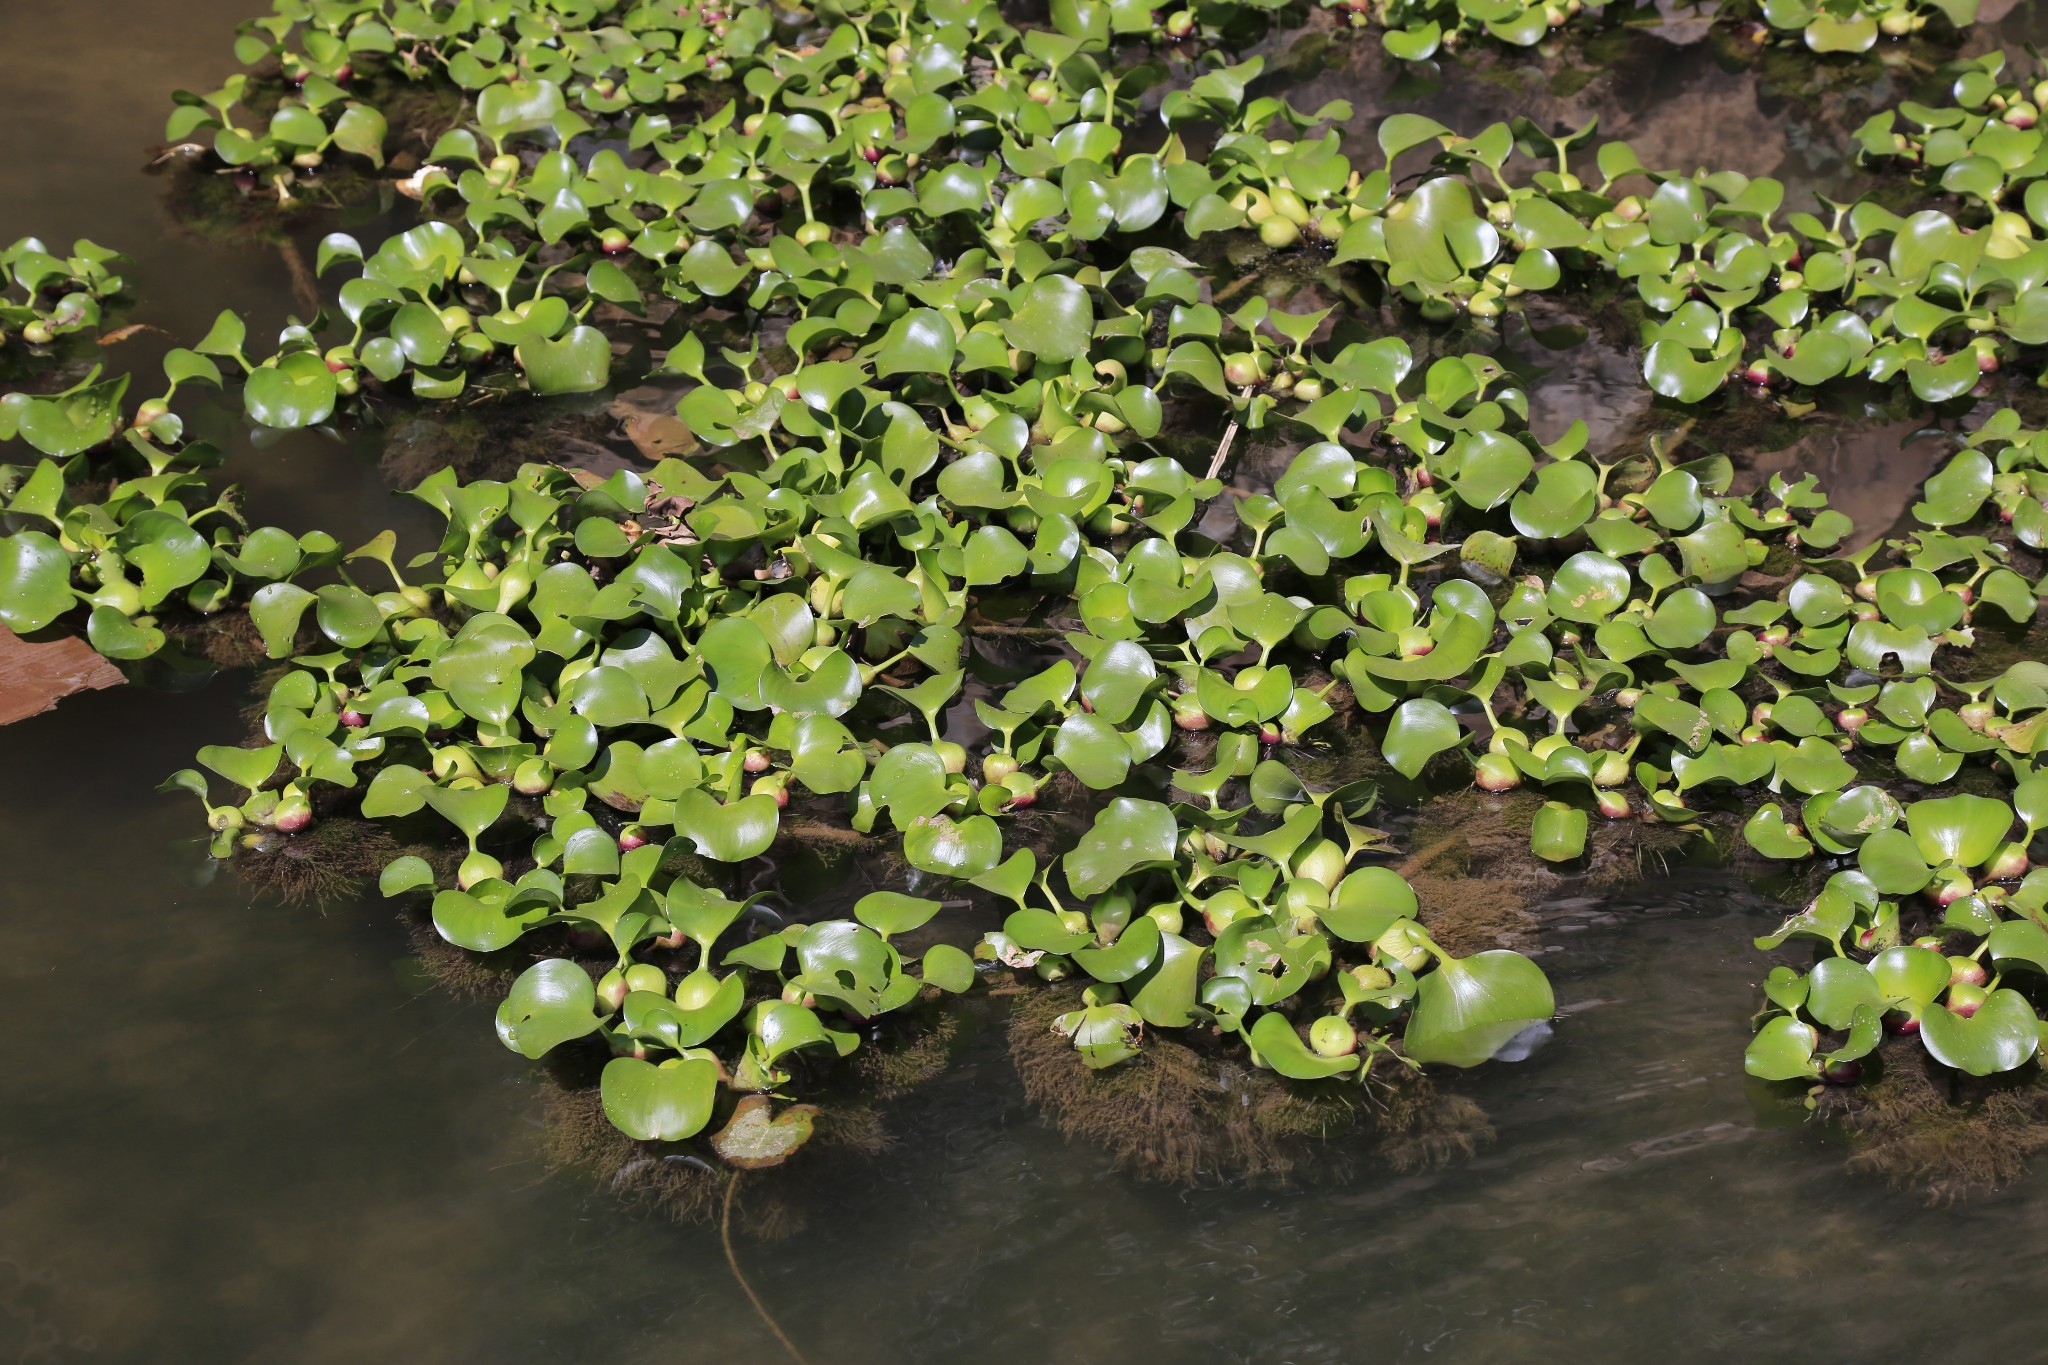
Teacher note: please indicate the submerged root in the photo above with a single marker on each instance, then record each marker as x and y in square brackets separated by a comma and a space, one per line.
[580, 1137]
[1908, 1127]
[855, 1128]
[332, 860]
[227, 639]
[1466, 915]
[1481, 834]
[887, 1072]
[457, 971]
[690, 1190]
[1486, 835]
[1169, 1114]
[1179, 1114]
[1424, 1127]
[1621, 853]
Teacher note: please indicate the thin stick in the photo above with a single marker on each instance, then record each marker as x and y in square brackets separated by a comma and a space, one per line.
[1229, 435]
[1029, 632]
[732, 1184]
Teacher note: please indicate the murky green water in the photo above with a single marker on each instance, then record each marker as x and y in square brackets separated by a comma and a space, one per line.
[237, 1131]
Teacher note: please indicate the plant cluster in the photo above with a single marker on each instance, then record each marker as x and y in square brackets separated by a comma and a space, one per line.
[1959, 853]
[44, 297]
[1004, 148]
[117, 521]
[973, 321]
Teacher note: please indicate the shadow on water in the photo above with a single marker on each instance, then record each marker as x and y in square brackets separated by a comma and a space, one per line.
[240, 1131]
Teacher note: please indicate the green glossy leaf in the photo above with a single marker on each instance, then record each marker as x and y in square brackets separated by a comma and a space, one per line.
[1284, 1051]
[1055, 319]
[1559, 832]
[580, 361]
[1164, 995]
[953, 848]
[1469, 1008]
[298, 391]
[1421, 729]
[1909, 976]
[1127, 835]
[486, 917]
[552, 1002]
[664, 1103]
[2000, 1036]
[892, 912]
[1965, 830]
[35, 581]
[1837, 988]
[948, 968]
[1367, 903]
[1782, 1051]
[728, 833]
[1135, 949]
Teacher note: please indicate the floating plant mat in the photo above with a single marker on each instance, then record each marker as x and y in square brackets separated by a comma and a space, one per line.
[934, 578]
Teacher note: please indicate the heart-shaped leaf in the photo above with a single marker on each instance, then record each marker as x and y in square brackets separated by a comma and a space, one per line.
[578, 362]
[1421, 729]
[664, 1103]
[2000, 1036]
[298, 391]
[1782, 1051]
[1129, 834]
[553, 1002]
[1469, 1008]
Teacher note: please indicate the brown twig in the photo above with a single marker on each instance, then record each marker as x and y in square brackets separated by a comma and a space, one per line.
[121, 334]
[1229, 435]
[1235, 286]
[1029, 632]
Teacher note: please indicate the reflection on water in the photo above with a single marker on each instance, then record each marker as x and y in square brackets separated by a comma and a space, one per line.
[241, 1132]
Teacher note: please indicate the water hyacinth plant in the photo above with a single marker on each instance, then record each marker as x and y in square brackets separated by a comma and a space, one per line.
[940, 317]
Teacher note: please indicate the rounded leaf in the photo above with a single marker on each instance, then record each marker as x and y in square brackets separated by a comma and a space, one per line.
[2000, 1036]
[1469, 1008]
[552, 1002]
[664, 1103]
[298, 391]
[1366, 904]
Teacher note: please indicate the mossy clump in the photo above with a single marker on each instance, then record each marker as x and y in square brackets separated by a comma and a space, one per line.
[1482, 834]
[1467, 915]
[226, 639]
[1922, 1127]
[855, 1128]
[1182, 1114]
[333, 859]
[891, 1070]
[579, 1137]
[1485, 835]
[1423, 1127]
[1622, 853]
[691, 1189]
[462, 975]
